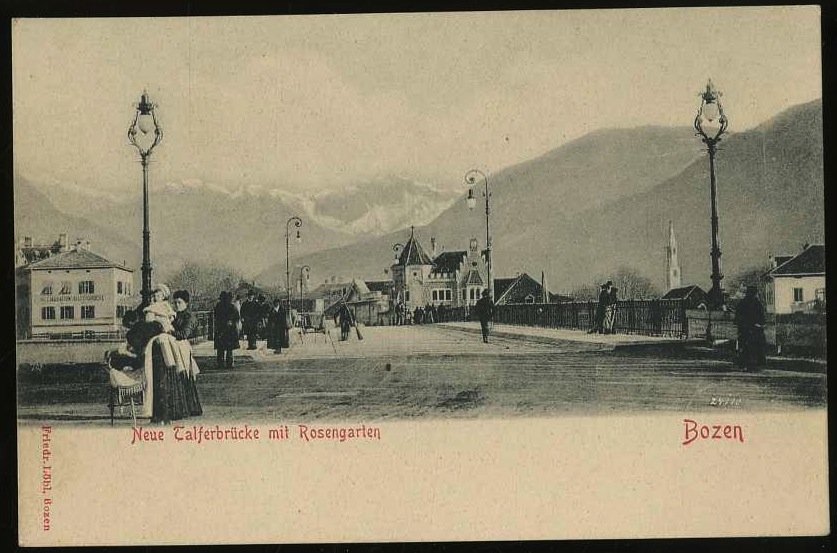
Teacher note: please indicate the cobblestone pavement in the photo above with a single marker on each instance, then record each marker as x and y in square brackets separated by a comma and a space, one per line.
[435, 371]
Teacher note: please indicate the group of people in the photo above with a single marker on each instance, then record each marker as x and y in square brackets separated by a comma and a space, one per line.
[419, 315]
[255, 319]
[162, 330]
[605, 317]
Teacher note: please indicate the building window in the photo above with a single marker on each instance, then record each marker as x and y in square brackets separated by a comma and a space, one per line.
[47, 289]
[435, 295]
[119, 289]
[68, 312]
[48, 313]
[529, 299]
[121, 310]
[819, 294]
[798, 296]
[66, 287]
[85, 287]
[406, 295]
[448, 295]
[88, 311]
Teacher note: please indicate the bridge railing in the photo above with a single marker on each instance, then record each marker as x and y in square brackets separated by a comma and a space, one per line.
[647, 317]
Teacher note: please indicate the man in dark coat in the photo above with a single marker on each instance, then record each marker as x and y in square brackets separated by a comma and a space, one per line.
[277, 326]
[344, 318]
[226, 320]
[749, 318]
[601, 308]
[485, 311]
[250, 314]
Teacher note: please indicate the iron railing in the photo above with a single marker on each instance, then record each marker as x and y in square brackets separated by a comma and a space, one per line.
[646, 317]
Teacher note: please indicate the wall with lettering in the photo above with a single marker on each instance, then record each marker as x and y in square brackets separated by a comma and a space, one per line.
[74, 300]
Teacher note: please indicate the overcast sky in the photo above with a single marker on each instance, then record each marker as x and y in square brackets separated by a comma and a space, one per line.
[305, 103]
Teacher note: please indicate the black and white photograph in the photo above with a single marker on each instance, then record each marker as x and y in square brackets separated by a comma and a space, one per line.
[546, 274]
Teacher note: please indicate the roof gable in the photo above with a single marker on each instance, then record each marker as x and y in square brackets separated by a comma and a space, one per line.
[448, 262]
[682, 293]
[76, 259]
[413, 253]
[811, 261]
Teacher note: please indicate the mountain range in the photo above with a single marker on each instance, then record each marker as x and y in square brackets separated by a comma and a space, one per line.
[580, 211]
[604, 202]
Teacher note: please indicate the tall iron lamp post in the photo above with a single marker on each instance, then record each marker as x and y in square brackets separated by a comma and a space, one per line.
[145, 133]
[398, 247]
[710, 124]
[471, 178]
[297, 222]
[305, 271]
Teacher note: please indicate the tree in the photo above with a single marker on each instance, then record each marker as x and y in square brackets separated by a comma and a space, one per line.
[204, 282]
[629, 283]
[754, 276]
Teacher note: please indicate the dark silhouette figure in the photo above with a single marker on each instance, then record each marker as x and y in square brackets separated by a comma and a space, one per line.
[749, 318]
[485, 312]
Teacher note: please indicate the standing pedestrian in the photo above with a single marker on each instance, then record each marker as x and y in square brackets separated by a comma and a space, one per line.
[226, 330]
[485, 312]
[604, 299]
[250, 314]
[276, 326]
[749, 318]
[344, 318]
[184, 329]
[610, 311]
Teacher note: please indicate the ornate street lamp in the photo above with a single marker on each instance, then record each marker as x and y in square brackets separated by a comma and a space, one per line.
[710, 124]
[145, 133]
[471, 178]
[297, 223]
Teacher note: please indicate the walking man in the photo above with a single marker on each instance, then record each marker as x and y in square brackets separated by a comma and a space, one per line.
[344, 318]
[485, 312]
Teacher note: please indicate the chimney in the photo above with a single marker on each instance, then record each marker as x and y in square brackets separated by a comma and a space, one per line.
[27, 241]
[432, 246]
[62, 242]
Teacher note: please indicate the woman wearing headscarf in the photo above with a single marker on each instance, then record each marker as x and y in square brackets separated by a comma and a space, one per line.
[185, 328]
[226, 330]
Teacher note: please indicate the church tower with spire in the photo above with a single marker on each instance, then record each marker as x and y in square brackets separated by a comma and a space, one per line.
[672, 264]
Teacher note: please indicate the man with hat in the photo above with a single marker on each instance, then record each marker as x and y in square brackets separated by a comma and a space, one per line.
[749, 318]
[485, 311]
[601, 308]
[251, 313]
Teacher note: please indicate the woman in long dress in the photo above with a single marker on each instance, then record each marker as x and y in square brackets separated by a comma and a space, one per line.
[184, 329]
[169, 392]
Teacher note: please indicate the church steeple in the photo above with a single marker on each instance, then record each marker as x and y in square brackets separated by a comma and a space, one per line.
[673, 279]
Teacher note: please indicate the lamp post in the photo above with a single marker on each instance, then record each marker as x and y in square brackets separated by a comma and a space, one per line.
[710, 124]
[140, 134]
[398, 247]
[297, 223]
[471, 178]
[304, 270]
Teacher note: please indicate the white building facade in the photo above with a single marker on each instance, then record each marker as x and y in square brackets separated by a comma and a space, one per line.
[73, 294]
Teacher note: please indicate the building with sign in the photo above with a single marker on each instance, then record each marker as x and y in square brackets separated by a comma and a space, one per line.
[73, 294]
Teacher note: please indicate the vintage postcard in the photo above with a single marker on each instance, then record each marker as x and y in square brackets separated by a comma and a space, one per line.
[420, 277]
